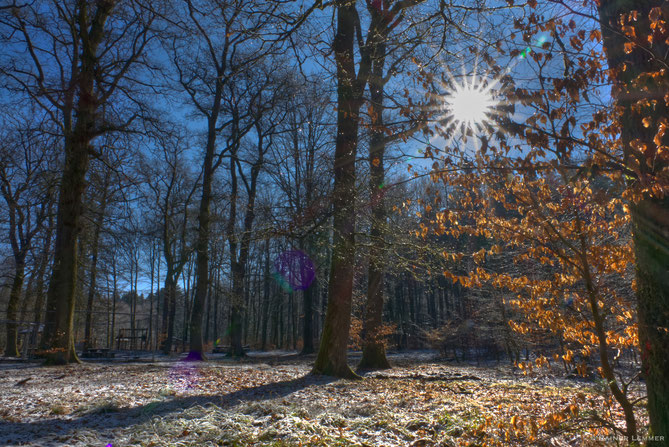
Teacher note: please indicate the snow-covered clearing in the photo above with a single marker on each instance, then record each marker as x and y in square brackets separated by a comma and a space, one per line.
[272, 400]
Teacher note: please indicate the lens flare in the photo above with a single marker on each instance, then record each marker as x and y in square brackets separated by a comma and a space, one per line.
[470, 105]
[184, 375]
[294, 270]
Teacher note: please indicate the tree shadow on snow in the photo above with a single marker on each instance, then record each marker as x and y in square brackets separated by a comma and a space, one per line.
[18, 433]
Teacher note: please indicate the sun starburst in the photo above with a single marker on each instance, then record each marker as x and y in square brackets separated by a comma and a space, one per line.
[469, 106]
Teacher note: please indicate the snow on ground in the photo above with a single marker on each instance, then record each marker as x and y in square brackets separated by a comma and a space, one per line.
[270, 399]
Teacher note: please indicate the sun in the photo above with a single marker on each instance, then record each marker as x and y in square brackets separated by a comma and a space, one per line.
[469, 106]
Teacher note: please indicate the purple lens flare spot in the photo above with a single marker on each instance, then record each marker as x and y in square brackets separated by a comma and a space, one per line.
[185, 374]
[295, 269]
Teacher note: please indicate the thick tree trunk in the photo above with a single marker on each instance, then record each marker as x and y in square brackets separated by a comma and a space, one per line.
[39, 290]
[57, 341]
[650, 215]
[651, 247]
[11, 350]
[57, 337]
[331, 358]
[374, 351]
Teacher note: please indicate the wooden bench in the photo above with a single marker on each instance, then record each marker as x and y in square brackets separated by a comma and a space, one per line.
[97, 353]
[220, 349]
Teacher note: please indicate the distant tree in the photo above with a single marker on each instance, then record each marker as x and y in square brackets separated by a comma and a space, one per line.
[26, 186]
[262, 98]
[230, 38]
[298, 167]
[170, 188]
[104, 184]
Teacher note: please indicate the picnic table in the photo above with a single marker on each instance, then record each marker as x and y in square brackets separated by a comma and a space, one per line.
[97, 353]
[221, 349]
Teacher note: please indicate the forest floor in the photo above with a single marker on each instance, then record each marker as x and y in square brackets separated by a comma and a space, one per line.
[272, 400]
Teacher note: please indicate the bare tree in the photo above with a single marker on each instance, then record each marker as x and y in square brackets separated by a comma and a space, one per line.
[170, 188]
[26, 155]
[331, 358]
[229, 36]
[260, 96]
[299, 168]
[98, 221]
[73, 59]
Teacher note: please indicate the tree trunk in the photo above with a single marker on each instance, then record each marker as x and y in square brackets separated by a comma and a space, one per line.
[39, 291]
[210, 289]
[374, 351]
[94, 266]
[651, 239]
[216, 295]
[202, 245]
[650, 215]
[607, 370]
[236, 311]
[331, 358]
[239, 263]
[164, 321]
[152, 295]
[57, 341]
[265, 300]
[171, 317]
[11, 349]
[187, 306]
[115, 295]
[57, 337]
[308, 333]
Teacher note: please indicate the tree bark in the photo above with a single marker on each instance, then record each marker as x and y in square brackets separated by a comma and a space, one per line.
[39, 290]
[57, 341]
[203, 234]
[331, 359]
[651, 240]
[57, 338]
[11, 349]
[374, 350]
[169, 315]
[650, 214]
[94, 265]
